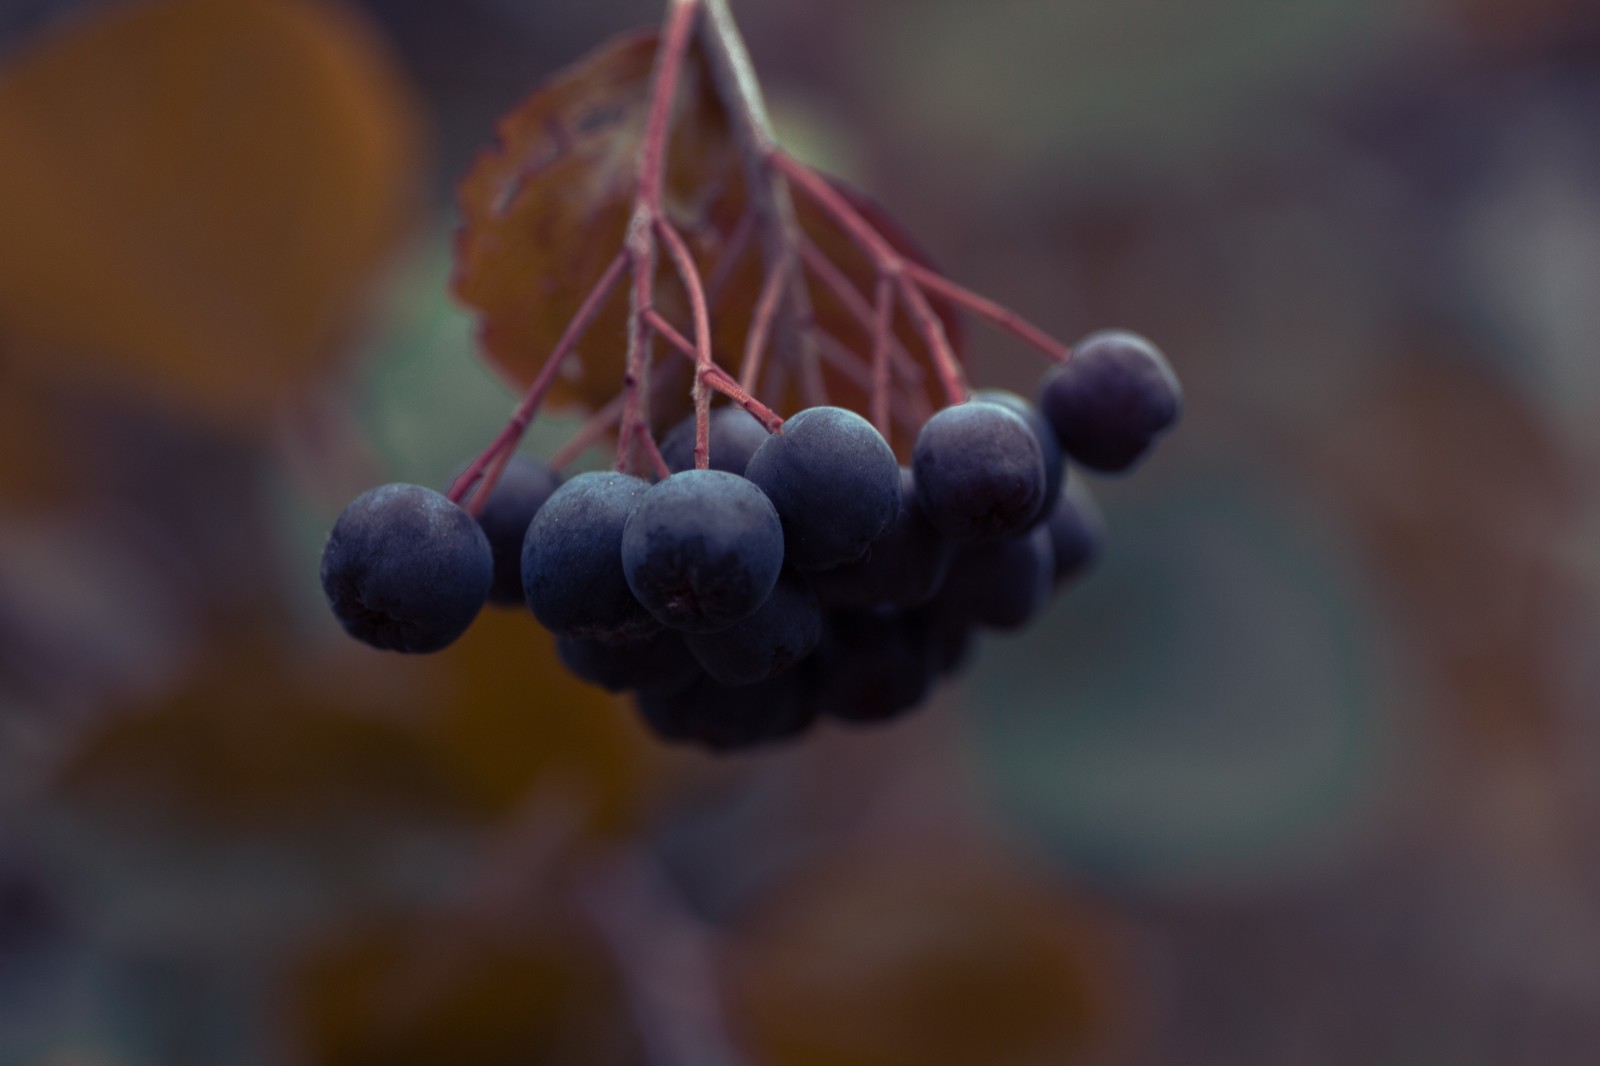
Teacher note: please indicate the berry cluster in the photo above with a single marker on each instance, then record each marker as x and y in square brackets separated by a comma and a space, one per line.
[793, 573]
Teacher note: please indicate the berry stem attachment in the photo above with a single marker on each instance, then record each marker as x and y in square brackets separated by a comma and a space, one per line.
[714, 376]
[689, 275]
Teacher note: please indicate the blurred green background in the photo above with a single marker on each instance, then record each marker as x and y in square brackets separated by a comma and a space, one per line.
[1303, 773]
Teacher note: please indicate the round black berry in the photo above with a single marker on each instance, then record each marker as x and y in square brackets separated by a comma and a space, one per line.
[980, 472]
[834, 481]
[405, 569]
[1076, 532]
[572, 560]
[703, 550]
[1055, 467]
[732, 719]
[1111, 400]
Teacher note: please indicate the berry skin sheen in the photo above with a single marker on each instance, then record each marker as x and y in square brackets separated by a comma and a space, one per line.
[834, 481]
[980, 472]
[703, 550]
[1111, 400]
[405, 569]
[572, 560]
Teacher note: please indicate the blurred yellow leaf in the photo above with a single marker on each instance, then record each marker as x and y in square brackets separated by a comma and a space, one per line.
[193, 193]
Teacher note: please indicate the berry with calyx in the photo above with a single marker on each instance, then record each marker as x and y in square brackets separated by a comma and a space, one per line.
[404, 569]
[1111, 400]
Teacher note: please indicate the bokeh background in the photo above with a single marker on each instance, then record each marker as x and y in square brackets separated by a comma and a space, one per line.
[1305, 772]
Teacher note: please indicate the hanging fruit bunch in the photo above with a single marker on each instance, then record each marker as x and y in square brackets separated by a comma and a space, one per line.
[811, 511]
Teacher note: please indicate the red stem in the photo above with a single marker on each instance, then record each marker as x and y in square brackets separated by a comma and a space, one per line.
[825, 271]
[508, 438]
[715, 376]
[884, 299]
[729, 255]
[888, 262]
[839, 209]
[910, 407]
[663, 91]
[689, 274]
[945, 363]
[983, 307]
[755, 344]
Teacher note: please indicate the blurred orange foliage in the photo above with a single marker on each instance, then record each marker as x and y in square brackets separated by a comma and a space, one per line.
[194, 193]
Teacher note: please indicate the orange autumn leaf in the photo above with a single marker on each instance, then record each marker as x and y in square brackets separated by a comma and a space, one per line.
[545, 210]
[193, 194]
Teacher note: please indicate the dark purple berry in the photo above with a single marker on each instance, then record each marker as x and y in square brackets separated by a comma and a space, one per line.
[1076, 532]
[572, 560]
[980, 472]
[703, 550]
[782, 631]
[1055, 467]
[904, 567]
[656, 661]
[834, 481]
[1111, 400]
[873, 666]
[405, 569]
[726, 719]
[1001, 584]
[735, 436]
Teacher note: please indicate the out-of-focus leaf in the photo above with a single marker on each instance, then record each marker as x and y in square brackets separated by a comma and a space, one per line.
[256, 739]
[914, 958]
[193, 194]
[517, 718]
[545, 211]
[413, 991]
